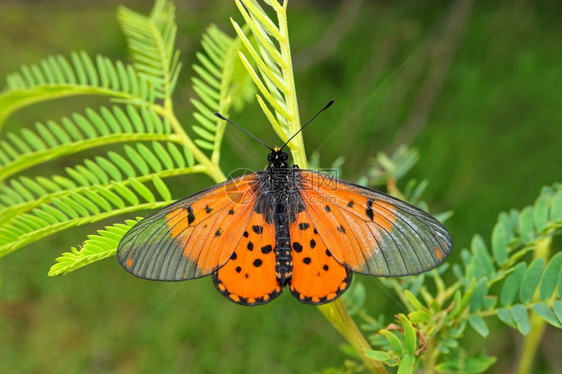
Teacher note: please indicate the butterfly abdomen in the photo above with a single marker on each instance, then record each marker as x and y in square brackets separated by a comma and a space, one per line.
[276, 188]
[283, 258]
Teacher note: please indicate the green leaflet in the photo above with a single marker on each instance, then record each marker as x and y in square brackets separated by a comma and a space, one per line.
[530, 280]
[407, 364]
[545, 312]
[512, 284]
[479, 325]
[499, 243]
[521, 318]
[409, 334]
[550, 277]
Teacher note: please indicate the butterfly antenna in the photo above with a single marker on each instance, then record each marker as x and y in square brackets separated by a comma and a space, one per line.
[302, 128]
[243, 129]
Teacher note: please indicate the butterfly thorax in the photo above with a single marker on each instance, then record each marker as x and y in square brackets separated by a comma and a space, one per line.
[277, 158]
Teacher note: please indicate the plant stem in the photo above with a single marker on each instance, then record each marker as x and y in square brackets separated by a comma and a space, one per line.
[532, 340]
[336, 313]
[531, 344]
[297, 144]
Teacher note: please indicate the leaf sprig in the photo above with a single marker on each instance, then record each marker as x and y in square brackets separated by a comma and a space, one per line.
[274, 75]
[515, 279]
[56, 77]
[153, 144]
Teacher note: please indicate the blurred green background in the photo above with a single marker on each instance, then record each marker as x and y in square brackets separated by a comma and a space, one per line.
[475, 86]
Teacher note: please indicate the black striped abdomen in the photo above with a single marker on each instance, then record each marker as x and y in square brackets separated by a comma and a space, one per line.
[283, 258]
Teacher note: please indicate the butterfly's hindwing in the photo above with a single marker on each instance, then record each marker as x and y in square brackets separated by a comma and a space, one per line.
[317, 277]
[248, 278]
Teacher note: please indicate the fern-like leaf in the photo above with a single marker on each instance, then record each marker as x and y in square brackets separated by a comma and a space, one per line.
[96, 248]
[220, 82]
[75, 210]
[151, 43]
[99, 189]
[135, 165]
[530, 291]
[57, 77]
[118, 182]
[525, 285]
[274, 74]
[95, 128]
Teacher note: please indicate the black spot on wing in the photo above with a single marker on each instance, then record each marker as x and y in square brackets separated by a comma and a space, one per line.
[303, 226]
[190, 215]
[369, 210]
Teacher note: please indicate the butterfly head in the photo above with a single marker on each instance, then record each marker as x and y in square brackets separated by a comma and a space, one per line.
[277, 158]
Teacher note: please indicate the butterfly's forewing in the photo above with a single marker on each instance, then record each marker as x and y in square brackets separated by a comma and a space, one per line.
[317, 277]
[370, 232]
[192, 237]
[248, 278]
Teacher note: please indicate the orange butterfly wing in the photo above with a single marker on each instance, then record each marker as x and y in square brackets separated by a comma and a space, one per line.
[368, 231]
[248, 278]
[192, 237]
[317, 277]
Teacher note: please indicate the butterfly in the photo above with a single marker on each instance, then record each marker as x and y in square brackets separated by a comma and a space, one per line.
[284, 226]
